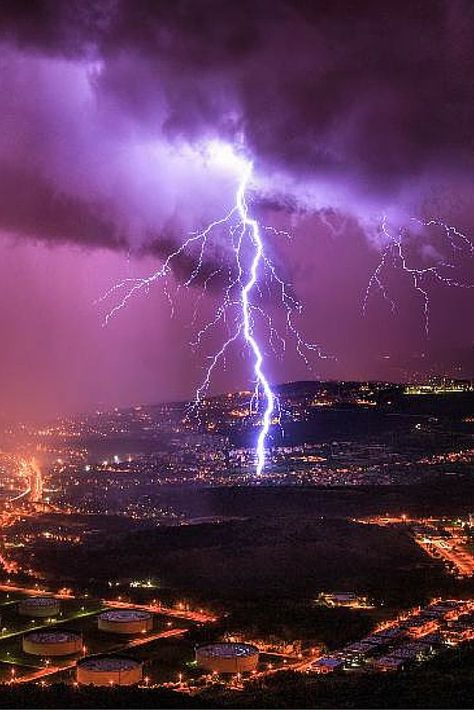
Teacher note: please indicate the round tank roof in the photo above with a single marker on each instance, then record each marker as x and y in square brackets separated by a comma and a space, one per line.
[227, 650]
[125, 615]
[39, 601]
[52, 636]
[110, 664]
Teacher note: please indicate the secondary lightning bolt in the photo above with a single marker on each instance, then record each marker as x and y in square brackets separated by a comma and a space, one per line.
[241, 301]
[395, 250]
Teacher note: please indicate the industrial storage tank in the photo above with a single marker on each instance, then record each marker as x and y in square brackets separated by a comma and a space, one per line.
[227, 657]
[39, 607]
[109, 671]
[125, 621]
[52, 643]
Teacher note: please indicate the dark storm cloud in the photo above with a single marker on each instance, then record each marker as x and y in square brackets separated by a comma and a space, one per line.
[30, 207]
[348, 109]
[372, 98]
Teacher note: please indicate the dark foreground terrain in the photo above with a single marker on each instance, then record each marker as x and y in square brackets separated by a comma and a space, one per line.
[287, 543]
[445, 682]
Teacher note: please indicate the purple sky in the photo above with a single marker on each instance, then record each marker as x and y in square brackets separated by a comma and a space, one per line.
[349, 111]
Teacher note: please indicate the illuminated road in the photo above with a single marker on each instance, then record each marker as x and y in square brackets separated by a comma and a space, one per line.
[31, 473]
[23, 474]
[35, 591]
[438, 540]
[452, 551]
[40, 626]
[15, 508]
[198, 617]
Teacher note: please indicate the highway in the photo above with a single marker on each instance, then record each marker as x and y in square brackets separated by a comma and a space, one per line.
[49, 626]
[31, 472]
[451, 547]
[198, 617]
[35, 591]
[450, 550]
[22, 504]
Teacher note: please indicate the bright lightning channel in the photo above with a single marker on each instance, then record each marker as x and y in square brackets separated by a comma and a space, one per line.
[261, 380]
[241, 305]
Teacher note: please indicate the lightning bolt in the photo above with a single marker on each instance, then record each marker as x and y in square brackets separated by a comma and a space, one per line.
[241, 312]
[261, 381]
[395, 252]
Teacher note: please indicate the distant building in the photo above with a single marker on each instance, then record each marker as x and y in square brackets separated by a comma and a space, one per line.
[442, 386]
[388, 663]
[327, 664]
[346, 599]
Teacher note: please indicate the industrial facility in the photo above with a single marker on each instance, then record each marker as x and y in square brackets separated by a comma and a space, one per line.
[108, 671]
[52, 643]
[126, 621]
[42, 607]
[227, 657]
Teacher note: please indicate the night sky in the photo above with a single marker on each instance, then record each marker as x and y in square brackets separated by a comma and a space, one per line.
[350, 111]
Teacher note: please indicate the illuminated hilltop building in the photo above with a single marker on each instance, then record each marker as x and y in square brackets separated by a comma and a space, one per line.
[440, 386]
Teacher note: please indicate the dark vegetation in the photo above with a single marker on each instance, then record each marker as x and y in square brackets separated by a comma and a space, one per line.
[294, 557]
[292, 543]
[291, 619]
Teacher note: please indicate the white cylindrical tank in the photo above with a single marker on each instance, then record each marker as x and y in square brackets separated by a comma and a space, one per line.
[227, 657]
[125, 621]
[109, 671]
[39, 607]
[52, 643]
